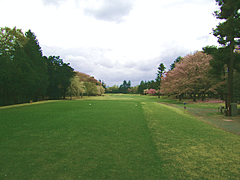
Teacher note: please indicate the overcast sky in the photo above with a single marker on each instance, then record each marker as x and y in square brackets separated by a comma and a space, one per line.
[115, 40]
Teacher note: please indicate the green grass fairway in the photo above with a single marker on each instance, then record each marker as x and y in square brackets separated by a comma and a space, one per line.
[70, 139]
[113, 139]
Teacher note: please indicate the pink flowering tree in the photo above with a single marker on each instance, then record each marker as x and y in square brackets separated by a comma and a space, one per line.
[151, 91]
[190, 76]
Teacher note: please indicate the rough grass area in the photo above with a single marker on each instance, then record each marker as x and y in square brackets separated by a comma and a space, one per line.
[206, 104]
[190, 148]
[111, 138]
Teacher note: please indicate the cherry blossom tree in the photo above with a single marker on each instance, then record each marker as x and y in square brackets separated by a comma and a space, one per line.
[190, 76]
[151, 91]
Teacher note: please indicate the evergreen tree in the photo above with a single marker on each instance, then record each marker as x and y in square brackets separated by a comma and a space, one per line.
[228, 34]
[172, 66]
[59, 74]
[160, 72]
[123, 88]
[161, 69]
[143, 85]
[37, 69]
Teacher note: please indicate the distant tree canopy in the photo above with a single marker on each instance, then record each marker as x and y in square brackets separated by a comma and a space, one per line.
[125, 86]
[86, 84]
[146, 85]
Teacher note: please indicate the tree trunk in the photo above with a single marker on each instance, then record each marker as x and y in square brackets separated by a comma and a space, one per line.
[180, 97]
[226, 105]
[194, 97]
[203, 96]
[199, 95]
[230, 77]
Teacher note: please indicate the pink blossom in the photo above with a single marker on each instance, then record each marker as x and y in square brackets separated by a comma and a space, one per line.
[151, 91]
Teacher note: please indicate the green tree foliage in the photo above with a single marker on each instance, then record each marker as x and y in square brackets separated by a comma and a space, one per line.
[91, 88]
[142, 86]
[11, 48]
[123, 88]
[113, 89]
[236, 85]
[133, 90]
[228, 34]
[59, 74]
[23, 70]
[160, 73]
[37, 67]
[100, 90]
[76, 87]
[161, 69]
[103, 84]
[218, 69]
[145, 85]
[27, 75]
[172, 66]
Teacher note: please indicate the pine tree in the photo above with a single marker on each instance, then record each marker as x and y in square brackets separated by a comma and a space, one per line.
[37, 67]
[228, 33]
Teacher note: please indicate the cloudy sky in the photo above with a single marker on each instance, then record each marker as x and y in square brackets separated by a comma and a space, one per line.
[115, 40]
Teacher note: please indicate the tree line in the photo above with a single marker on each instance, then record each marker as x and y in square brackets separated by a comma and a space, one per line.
[27, 75]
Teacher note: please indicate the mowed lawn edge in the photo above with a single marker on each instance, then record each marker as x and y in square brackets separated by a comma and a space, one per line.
[77, 139]
[190, 148]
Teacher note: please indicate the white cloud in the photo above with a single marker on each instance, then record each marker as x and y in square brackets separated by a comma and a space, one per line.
[113, 10]
[115, 40]
[53, 2]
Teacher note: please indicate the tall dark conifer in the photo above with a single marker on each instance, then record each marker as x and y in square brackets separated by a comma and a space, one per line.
[161, 69]
[38, 67]
[228, 34]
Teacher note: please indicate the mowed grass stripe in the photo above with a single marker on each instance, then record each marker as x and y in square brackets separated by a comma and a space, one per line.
[190, 148]
[71, 139]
